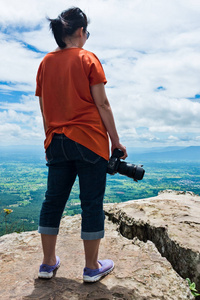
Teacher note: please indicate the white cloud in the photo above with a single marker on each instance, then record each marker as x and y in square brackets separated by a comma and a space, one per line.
[21, 122]
[143, 44]
[26, 104]
[19, 65]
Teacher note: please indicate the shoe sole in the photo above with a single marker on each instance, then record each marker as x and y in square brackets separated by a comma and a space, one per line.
[47, 275]
[97, 277]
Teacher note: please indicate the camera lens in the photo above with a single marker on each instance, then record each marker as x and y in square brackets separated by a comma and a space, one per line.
[126, 169]
[130, 170]
[139, 173]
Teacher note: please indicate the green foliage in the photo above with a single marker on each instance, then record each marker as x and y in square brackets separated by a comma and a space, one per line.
[192, 287]
[23, 185]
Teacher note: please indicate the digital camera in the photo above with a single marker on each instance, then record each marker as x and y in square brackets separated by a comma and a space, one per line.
[115, 165]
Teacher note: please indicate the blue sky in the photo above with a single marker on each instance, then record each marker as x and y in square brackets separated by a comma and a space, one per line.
[150, 52]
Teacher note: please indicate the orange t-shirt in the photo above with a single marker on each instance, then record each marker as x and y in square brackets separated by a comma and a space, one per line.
[63, 81]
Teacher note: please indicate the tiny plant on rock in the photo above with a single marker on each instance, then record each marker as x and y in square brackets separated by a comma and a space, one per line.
[192, 287]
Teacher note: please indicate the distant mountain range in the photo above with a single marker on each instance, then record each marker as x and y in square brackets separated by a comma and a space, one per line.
[36, 153]
[191, 153]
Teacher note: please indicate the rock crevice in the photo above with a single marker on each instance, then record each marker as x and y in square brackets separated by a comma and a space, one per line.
[161, 220]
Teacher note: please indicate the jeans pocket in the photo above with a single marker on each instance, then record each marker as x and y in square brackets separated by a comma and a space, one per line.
[54, 150]
[49, 153]
[87, 154]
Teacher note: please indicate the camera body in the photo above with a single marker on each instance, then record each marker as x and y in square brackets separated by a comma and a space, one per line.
[116, 165]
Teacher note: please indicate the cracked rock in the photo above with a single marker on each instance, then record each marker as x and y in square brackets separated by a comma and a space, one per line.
[140, 272]
[171, 221]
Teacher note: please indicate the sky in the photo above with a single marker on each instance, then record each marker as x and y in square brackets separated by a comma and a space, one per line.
[150, 52]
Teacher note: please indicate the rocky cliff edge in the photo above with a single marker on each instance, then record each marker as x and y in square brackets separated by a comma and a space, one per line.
[154, 243]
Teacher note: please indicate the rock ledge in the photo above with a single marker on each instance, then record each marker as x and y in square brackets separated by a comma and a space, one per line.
[140, 273]
[171, 221]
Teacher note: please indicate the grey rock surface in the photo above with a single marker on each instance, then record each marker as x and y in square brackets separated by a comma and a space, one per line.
[140, 271]
[171, 221]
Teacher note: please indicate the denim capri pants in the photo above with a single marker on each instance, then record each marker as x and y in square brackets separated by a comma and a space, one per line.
[66, 159]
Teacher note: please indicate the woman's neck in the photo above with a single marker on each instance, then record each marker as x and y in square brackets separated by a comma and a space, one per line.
[73, 43]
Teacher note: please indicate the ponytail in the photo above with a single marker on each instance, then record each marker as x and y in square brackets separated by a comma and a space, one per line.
[67, 23]
[57, 29]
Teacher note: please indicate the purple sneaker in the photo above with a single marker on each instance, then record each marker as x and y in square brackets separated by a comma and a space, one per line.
[90, 275]
[46, 271]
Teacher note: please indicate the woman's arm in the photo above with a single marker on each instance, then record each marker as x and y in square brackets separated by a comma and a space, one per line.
[105, 111]
[41, 108]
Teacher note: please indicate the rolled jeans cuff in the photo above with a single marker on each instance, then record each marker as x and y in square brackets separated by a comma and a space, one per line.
[48, 230]
[92, 235]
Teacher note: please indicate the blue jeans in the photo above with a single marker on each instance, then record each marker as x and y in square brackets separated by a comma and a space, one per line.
[67, 159]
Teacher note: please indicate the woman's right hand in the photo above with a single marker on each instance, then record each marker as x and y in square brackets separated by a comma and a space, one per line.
[121, 147]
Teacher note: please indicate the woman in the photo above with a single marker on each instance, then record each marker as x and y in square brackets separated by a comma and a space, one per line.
[77, 117]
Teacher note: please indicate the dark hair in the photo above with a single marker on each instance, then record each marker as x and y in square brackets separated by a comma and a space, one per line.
[67, 23]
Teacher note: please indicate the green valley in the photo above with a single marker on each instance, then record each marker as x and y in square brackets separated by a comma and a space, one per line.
[23, 185]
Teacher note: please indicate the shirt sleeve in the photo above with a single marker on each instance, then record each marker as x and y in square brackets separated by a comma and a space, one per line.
[96, 74]
[38, 91]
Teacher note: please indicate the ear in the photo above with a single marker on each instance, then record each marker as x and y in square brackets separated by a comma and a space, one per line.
[82, 31]
[79, 32]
